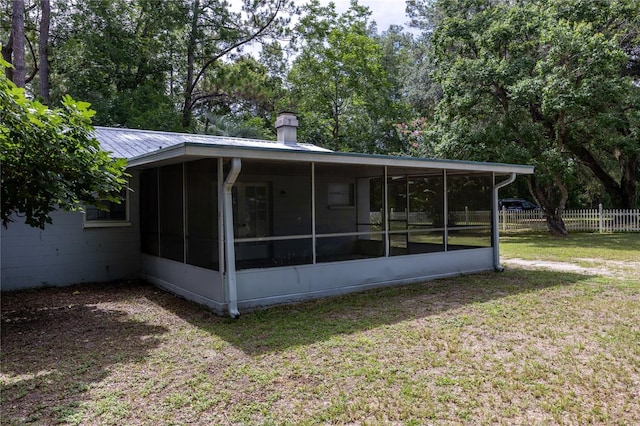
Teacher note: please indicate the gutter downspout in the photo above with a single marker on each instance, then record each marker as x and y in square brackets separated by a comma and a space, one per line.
[496, 222]
[230, 253]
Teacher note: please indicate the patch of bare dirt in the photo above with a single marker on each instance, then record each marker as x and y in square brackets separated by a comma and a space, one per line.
[633, 266]
[560, 266]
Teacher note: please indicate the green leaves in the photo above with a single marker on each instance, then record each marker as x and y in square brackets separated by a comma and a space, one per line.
[50, 159]
[120, 56]
[341, 83]
[545, 83]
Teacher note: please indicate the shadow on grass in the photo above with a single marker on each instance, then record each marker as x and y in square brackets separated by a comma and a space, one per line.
[281, 327]
[56, 342]
[620, 241]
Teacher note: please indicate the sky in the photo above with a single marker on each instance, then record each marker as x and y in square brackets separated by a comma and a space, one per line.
[384, 12]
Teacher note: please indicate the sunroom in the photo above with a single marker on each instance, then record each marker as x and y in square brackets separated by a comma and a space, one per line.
[241, 224]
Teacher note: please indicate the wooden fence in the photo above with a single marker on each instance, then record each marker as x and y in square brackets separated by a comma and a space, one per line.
[590, 220]
[586, 220]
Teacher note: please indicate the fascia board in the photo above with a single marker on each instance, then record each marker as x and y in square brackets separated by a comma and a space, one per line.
[195, 150]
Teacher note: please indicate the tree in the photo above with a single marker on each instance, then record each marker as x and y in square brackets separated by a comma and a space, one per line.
[17, 35]
[50, 159]
[6, 35]
[237, 128]
[28, 27]
[592, 69]
[216, 32]
[340, 85]
[43, 50]
[522, 83]
[122, 57]
[242, 89]
[156, 63]
[422, 92]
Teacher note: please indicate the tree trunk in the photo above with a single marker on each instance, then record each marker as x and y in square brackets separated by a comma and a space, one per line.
[17, 30]
[556, 225]
[43, 50]
[623, 192]
[191, 46]
[552, 197]
[629, 181]
[7, 53]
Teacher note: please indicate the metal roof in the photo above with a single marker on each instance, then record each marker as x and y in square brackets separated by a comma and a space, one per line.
[130, 143]
[145, 148]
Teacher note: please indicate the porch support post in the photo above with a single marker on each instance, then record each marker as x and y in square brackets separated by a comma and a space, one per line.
[230, 251]
[313, 212]
[158, 209]
[184, 213]
[495, 228]
[220, 218]
[387, 243]
[445, 206]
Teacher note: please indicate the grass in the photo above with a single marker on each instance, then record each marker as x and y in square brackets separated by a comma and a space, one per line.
[621, 247]
[520, 347]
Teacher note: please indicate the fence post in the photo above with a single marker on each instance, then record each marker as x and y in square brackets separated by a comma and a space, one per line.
[591, 220]
[600, 219]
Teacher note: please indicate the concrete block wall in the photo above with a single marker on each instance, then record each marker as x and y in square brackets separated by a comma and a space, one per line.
[66, 252]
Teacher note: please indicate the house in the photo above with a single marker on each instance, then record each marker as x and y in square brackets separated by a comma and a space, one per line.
[237, 223]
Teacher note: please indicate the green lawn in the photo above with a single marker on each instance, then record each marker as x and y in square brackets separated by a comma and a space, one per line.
[519, 347]
[622, 247]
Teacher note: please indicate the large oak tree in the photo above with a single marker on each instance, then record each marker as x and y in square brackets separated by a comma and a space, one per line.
[541, 82]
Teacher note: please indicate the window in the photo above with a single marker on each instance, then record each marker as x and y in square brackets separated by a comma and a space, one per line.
[108, 213]
[397, 199]
[425, 220]
[341, 195]
[163, 204]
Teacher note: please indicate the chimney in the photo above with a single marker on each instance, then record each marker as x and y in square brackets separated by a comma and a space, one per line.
[286, 125]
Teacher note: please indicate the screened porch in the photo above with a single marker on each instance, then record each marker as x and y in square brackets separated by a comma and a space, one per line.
[303, 213]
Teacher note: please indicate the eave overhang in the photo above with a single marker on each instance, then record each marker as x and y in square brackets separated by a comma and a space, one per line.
[188, 151]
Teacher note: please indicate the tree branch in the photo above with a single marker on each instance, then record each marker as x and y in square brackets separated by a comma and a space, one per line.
[234, 46]
[586, 157]
[34, 72]
[7, 51]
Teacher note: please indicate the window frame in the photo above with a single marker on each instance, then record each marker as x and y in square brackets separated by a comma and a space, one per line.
[111, 223]
[336, 191]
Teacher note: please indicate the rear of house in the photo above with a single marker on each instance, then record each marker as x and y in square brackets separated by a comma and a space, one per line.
[236, 224]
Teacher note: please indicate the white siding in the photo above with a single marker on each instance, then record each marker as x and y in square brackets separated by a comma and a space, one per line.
[261, 287]
[65, 252]
[200, 285]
